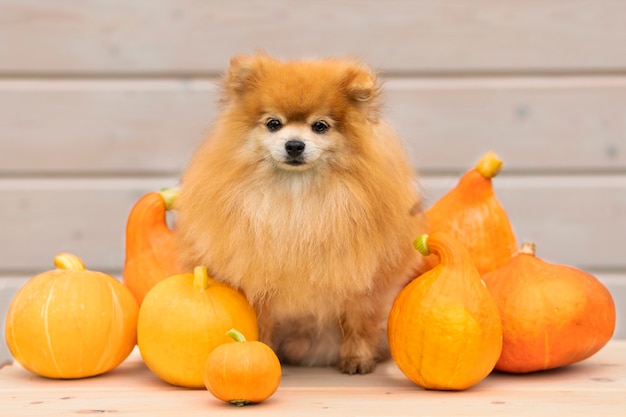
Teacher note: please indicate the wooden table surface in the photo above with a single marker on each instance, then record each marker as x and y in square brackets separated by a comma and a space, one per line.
[595, 387]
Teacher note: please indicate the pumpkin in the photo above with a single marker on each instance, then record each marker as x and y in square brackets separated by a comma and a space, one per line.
[552, 315]
[71, 322]
[183, 318]
[150, 244]
[242, 372]
[444, 329]
[471, 213]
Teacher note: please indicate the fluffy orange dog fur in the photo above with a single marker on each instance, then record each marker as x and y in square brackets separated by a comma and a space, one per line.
[304, 199]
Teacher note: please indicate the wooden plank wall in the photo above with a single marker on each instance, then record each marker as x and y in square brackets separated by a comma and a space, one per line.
[101, 101]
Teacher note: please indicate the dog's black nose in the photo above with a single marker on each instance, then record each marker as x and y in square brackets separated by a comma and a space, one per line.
[294, 147]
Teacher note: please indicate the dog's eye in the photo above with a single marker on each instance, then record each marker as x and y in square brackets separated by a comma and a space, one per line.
[320, 127]
[273, 125]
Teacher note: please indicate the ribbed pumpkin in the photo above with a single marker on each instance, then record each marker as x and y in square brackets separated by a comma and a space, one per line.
[71, 322]
[444, 328]
[150, 243]
[552, 315]
[183, 318]
[243, 372]
[471, 213]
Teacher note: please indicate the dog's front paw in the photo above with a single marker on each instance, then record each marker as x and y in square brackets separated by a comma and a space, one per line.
[356, 365]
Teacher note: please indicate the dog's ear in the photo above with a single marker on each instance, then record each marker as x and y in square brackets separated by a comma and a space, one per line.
[240, 72]
[244, 71]
[362, 88]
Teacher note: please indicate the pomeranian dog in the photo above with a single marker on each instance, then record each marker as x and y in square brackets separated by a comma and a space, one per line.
[304, 199]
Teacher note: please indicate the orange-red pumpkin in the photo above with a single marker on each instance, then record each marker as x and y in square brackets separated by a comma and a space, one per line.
[71, 322]
[471, 213]
[150, 243]
[552, 315]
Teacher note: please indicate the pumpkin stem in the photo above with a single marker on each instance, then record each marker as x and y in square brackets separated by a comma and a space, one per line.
[69, 261]
[240, 403]
[236, 335]
[169, 196]
[200, 277]
[421, 244]
[489, 165]
[528, 248]
[446, 247]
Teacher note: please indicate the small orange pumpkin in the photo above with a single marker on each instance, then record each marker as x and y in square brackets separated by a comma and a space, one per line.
[183, 318]
[471, 213]
[444, 328]
[552, 315]
[243, 372]
[71, 322]
[150, 243]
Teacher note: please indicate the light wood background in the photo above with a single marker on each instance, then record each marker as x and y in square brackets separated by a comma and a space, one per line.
[102, 101]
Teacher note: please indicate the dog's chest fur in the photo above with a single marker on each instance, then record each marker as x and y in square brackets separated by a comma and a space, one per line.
[305, 244]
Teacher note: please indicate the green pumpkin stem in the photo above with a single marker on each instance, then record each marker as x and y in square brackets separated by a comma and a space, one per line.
[421, 244]
[200, 278]
[236, 335]
[169, 195]
[240, 403]
[69, 261]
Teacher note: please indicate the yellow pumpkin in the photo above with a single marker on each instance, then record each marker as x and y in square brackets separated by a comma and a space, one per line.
[183, 318]
[71, 322]
[444, 327]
